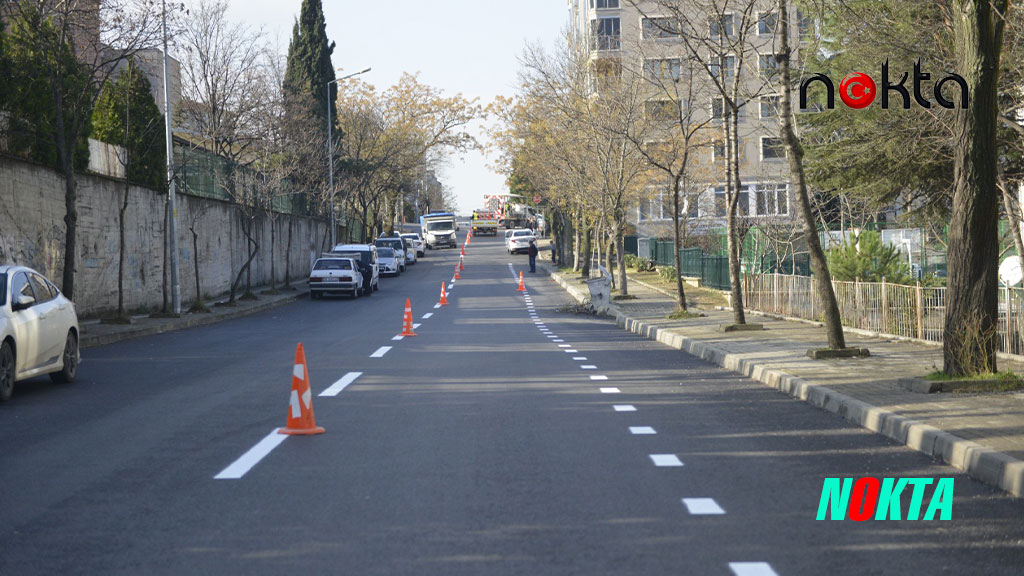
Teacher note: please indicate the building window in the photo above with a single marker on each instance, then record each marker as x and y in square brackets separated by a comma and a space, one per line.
[743, 203]
[723, 24]
[717, 108]
[693, 205]
[602, 4]
[652, 208]
[771, 105]
[606, 34]
[772, 199]
[718, 151]
[660, 28]
[662, 69]
[768, 66]
[772, 148]
[723, 67]
[805, 24]
[766, 23]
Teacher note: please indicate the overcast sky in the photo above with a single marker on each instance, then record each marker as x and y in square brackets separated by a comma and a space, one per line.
[467, 46]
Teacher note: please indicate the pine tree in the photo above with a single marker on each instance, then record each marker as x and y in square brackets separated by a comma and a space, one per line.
[309, 62]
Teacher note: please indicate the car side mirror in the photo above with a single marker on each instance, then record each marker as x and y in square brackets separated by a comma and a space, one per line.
[23, 301]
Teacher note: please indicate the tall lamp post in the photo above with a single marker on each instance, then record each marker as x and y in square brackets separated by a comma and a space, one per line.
[330, 149]
[172, 212]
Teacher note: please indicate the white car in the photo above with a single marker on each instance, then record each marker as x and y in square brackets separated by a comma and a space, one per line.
[417, 242]
[398, 245]
[38, 329]
[387, 261]
[520, 240]
[508, 234]
[335, 275]
[410, 250]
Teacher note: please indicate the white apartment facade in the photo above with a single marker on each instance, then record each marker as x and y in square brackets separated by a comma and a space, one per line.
[646, 36]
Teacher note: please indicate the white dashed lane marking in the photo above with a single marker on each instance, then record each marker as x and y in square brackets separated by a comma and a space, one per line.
[702, 506]
[428, 315]
[599, 377]
[240, 467]
[340, 385]
[380, 352]
[624, 408]
[666, 460]
[588, 366]
[610, 390]
[641, 430]
[751, 569]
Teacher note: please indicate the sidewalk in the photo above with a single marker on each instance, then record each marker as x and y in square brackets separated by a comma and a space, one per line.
[981, 434]
[95, 333]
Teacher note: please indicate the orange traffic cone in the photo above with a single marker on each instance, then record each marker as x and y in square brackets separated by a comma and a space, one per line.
[462, 266]
[300, 405]
[521, 288]
[444, 299]
[407, 320]
[456, 277]
[463, 250]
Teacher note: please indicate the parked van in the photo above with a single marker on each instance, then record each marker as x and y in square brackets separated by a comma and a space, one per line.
[366, 256]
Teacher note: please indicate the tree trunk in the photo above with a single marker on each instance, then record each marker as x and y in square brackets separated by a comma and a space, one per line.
[969, 337]
[734, 245]
[677, 241]
[585, 251]
[819, 264]
[198, 305]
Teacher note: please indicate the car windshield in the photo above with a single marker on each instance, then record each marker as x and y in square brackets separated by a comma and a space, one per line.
[385, 252]
[519, 233]
[333, 264]
[436, 226]
[396, 243]
[3, 288]
[412, 237]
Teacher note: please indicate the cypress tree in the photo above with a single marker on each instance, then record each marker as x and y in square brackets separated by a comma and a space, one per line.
[309, 62]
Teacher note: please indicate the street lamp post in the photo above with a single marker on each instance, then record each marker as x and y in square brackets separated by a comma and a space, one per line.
[172, 212]
[330, 149]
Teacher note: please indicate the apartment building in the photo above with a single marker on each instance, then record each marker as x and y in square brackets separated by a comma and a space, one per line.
[677, 45]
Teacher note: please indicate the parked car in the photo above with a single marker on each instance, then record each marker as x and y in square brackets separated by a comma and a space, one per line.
[38, 329]
[508, 235]
[417, 243]
[387, 259]
[332, 274]
[519, 241]
[410, 251]
[365, 256]
[398, 245]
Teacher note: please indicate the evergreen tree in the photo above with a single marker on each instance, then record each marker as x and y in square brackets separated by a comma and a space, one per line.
[4, 69]
[309, 62]
[127, 115]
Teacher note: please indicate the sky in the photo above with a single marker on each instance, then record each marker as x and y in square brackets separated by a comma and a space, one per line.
[460, 46]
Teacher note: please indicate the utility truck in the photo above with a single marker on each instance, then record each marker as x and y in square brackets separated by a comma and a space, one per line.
[438, 229]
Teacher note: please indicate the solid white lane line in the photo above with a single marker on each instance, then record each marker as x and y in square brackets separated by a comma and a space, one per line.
[588, 366]
[599, 377]
[341, 384]
[611, 390]
[428, 315]
[579, 357]
[399, 337]
[641, 430]
[666, 460]
[751, 569]
[380, 352]
[624, 408]
[700, 506]
[239, 467]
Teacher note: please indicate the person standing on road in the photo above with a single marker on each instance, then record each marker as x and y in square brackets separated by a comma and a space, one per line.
[532, 251]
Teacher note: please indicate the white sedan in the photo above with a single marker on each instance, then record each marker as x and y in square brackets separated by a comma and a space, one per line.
[520, 240]
[38, 329]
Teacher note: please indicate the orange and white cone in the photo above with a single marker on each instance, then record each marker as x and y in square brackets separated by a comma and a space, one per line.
[407, 320]
[521, 288]
[462, 266]
[456, 277]
[300, 405]
[444, 299]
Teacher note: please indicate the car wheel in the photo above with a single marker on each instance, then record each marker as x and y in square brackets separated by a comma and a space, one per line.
[70, 358]
[6, 371]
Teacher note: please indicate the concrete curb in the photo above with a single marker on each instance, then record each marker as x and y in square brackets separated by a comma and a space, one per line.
[979, 462]
[190, 321]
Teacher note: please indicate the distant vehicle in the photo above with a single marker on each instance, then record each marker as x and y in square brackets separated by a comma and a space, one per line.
[332, 274]
[417, 242]
[398, 245]
[387, 259]
[485, 222]
[520, 241]
[518, 216]
[38, 330]
[410, 250]
[438, 229]
[366, 257]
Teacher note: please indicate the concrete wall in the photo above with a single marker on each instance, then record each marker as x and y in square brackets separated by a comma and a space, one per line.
[32, 234]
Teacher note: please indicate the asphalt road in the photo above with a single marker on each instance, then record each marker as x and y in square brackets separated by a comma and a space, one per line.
[484, 445]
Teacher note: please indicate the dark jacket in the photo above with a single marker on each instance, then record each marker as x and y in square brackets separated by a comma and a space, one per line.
[533, 249]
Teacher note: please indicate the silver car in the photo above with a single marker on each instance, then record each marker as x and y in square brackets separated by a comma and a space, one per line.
[38, 329]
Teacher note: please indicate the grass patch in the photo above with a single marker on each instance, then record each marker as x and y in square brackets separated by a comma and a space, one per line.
[697, 297]
[683, 315]
[987, 381]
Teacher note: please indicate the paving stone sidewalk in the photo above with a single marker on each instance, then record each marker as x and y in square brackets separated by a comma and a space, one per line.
[982, 434]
